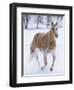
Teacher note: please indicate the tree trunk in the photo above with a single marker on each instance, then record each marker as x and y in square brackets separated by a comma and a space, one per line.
[26, 24]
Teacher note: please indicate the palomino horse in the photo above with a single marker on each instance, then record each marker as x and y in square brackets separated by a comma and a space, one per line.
[45, 42]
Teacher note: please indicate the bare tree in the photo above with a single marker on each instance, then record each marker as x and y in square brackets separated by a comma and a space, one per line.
[48, 21]
[26, 21]
[38, 20]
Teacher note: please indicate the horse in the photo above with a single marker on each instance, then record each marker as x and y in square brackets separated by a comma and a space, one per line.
[45, 42]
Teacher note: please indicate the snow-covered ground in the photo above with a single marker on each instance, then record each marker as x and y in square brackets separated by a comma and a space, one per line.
[31, 67]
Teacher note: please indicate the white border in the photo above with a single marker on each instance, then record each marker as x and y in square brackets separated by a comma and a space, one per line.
[42, 79]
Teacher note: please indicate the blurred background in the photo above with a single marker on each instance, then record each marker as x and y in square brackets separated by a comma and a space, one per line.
[40, 21]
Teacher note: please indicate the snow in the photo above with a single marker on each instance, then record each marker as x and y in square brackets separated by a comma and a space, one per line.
[31, 67]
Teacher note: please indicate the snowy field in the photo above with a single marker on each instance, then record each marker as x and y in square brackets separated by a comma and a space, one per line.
[31, 67]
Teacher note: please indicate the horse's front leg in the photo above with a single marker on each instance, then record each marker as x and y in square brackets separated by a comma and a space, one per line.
[45, 61]
[53, 55]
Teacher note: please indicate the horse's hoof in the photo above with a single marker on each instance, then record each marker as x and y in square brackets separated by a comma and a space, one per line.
[42, 68]
[51, 69]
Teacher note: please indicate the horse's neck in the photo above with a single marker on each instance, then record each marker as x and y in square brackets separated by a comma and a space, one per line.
[51, 40]
[51, 35]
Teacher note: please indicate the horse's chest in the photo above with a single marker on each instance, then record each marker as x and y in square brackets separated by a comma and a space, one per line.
[52, 44]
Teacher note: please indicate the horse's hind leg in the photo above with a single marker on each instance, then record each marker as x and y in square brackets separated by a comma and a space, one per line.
[33, 53]
[45, 60]
[53, 55]
[36, 56]
[37, 59]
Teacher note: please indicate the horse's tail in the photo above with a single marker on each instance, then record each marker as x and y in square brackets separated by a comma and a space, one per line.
[32, 47]
[31, 50]
[31, 53]
[36, 36]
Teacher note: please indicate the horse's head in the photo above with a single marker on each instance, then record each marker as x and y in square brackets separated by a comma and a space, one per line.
[54, 28]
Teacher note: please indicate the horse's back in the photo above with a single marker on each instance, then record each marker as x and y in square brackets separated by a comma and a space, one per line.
[40, 40]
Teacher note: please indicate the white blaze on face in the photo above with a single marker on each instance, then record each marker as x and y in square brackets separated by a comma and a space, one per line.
[56, 29]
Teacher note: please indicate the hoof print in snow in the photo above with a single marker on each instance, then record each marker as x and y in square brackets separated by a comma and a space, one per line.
[51, 69]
